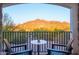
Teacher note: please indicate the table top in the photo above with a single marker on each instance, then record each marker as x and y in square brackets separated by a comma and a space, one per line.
[38, 42]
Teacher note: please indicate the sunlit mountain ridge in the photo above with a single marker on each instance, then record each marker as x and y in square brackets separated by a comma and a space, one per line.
[41, 24]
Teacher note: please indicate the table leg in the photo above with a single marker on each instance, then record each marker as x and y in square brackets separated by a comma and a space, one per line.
[38, 49]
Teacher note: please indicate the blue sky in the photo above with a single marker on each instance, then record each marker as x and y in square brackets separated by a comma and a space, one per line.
[26, 12]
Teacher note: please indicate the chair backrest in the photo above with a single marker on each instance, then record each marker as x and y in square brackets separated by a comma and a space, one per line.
[7, 44]
[69, 45]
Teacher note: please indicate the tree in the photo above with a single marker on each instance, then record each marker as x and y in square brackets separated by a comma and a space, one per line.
[7, 22]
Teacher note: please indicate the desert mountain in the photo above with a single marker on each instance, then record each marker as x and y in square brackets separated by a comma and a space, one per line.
[40, 24]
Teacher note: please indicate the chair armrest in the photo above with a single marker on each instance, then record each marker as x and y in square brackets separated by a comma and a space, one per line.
[29, 52]
[59, 45]
[53, 50]
[19, 45]
[22, 45]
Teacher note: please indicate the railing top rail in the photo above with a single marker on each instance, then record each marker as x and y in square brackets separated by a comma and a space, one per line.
[38, 31]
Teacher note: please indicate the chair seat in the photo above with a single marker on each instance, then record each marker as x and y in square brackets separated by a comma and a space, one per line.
[57, 53]
[25, 52]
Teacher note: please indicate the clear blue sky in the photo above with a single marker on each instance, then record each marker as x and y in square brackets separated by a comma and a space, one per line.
[24, 12]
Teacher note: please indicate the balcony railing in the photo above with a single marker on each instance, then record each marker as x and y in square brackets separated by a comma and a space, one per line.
[17, 38]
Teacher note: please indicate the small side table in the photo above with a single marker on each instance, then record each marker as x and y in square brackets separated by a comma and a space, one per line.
[38, 43]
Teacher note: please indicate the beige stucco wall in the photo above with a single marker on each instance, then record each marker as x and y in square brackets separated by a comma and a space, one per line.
[0, 27]
[74, 19]
[74, 22]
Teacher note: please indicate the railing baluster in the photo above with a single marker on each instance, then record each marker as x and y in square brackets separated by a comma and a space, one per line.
[15, 39]
[52, 39]
[64, 40]
[32, 40]
[58, 38]
[47, 41]
[20, 39]
[43, 44]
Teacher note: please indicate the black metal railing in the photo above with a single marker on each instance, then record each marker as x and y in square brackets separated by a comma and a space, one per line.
[17, 38]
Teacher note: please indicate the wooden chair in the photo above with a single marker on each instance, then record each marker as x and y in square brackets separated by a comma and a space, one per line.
[9, 48]
[52, 51]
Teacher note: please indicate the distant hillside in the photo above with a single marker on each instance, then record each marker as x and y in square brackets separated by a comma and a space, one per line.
[40, 24]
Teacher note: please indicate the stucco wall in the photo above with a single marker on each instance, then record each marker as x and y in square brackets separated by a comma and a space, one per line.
[0, 27]
[74, 20]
